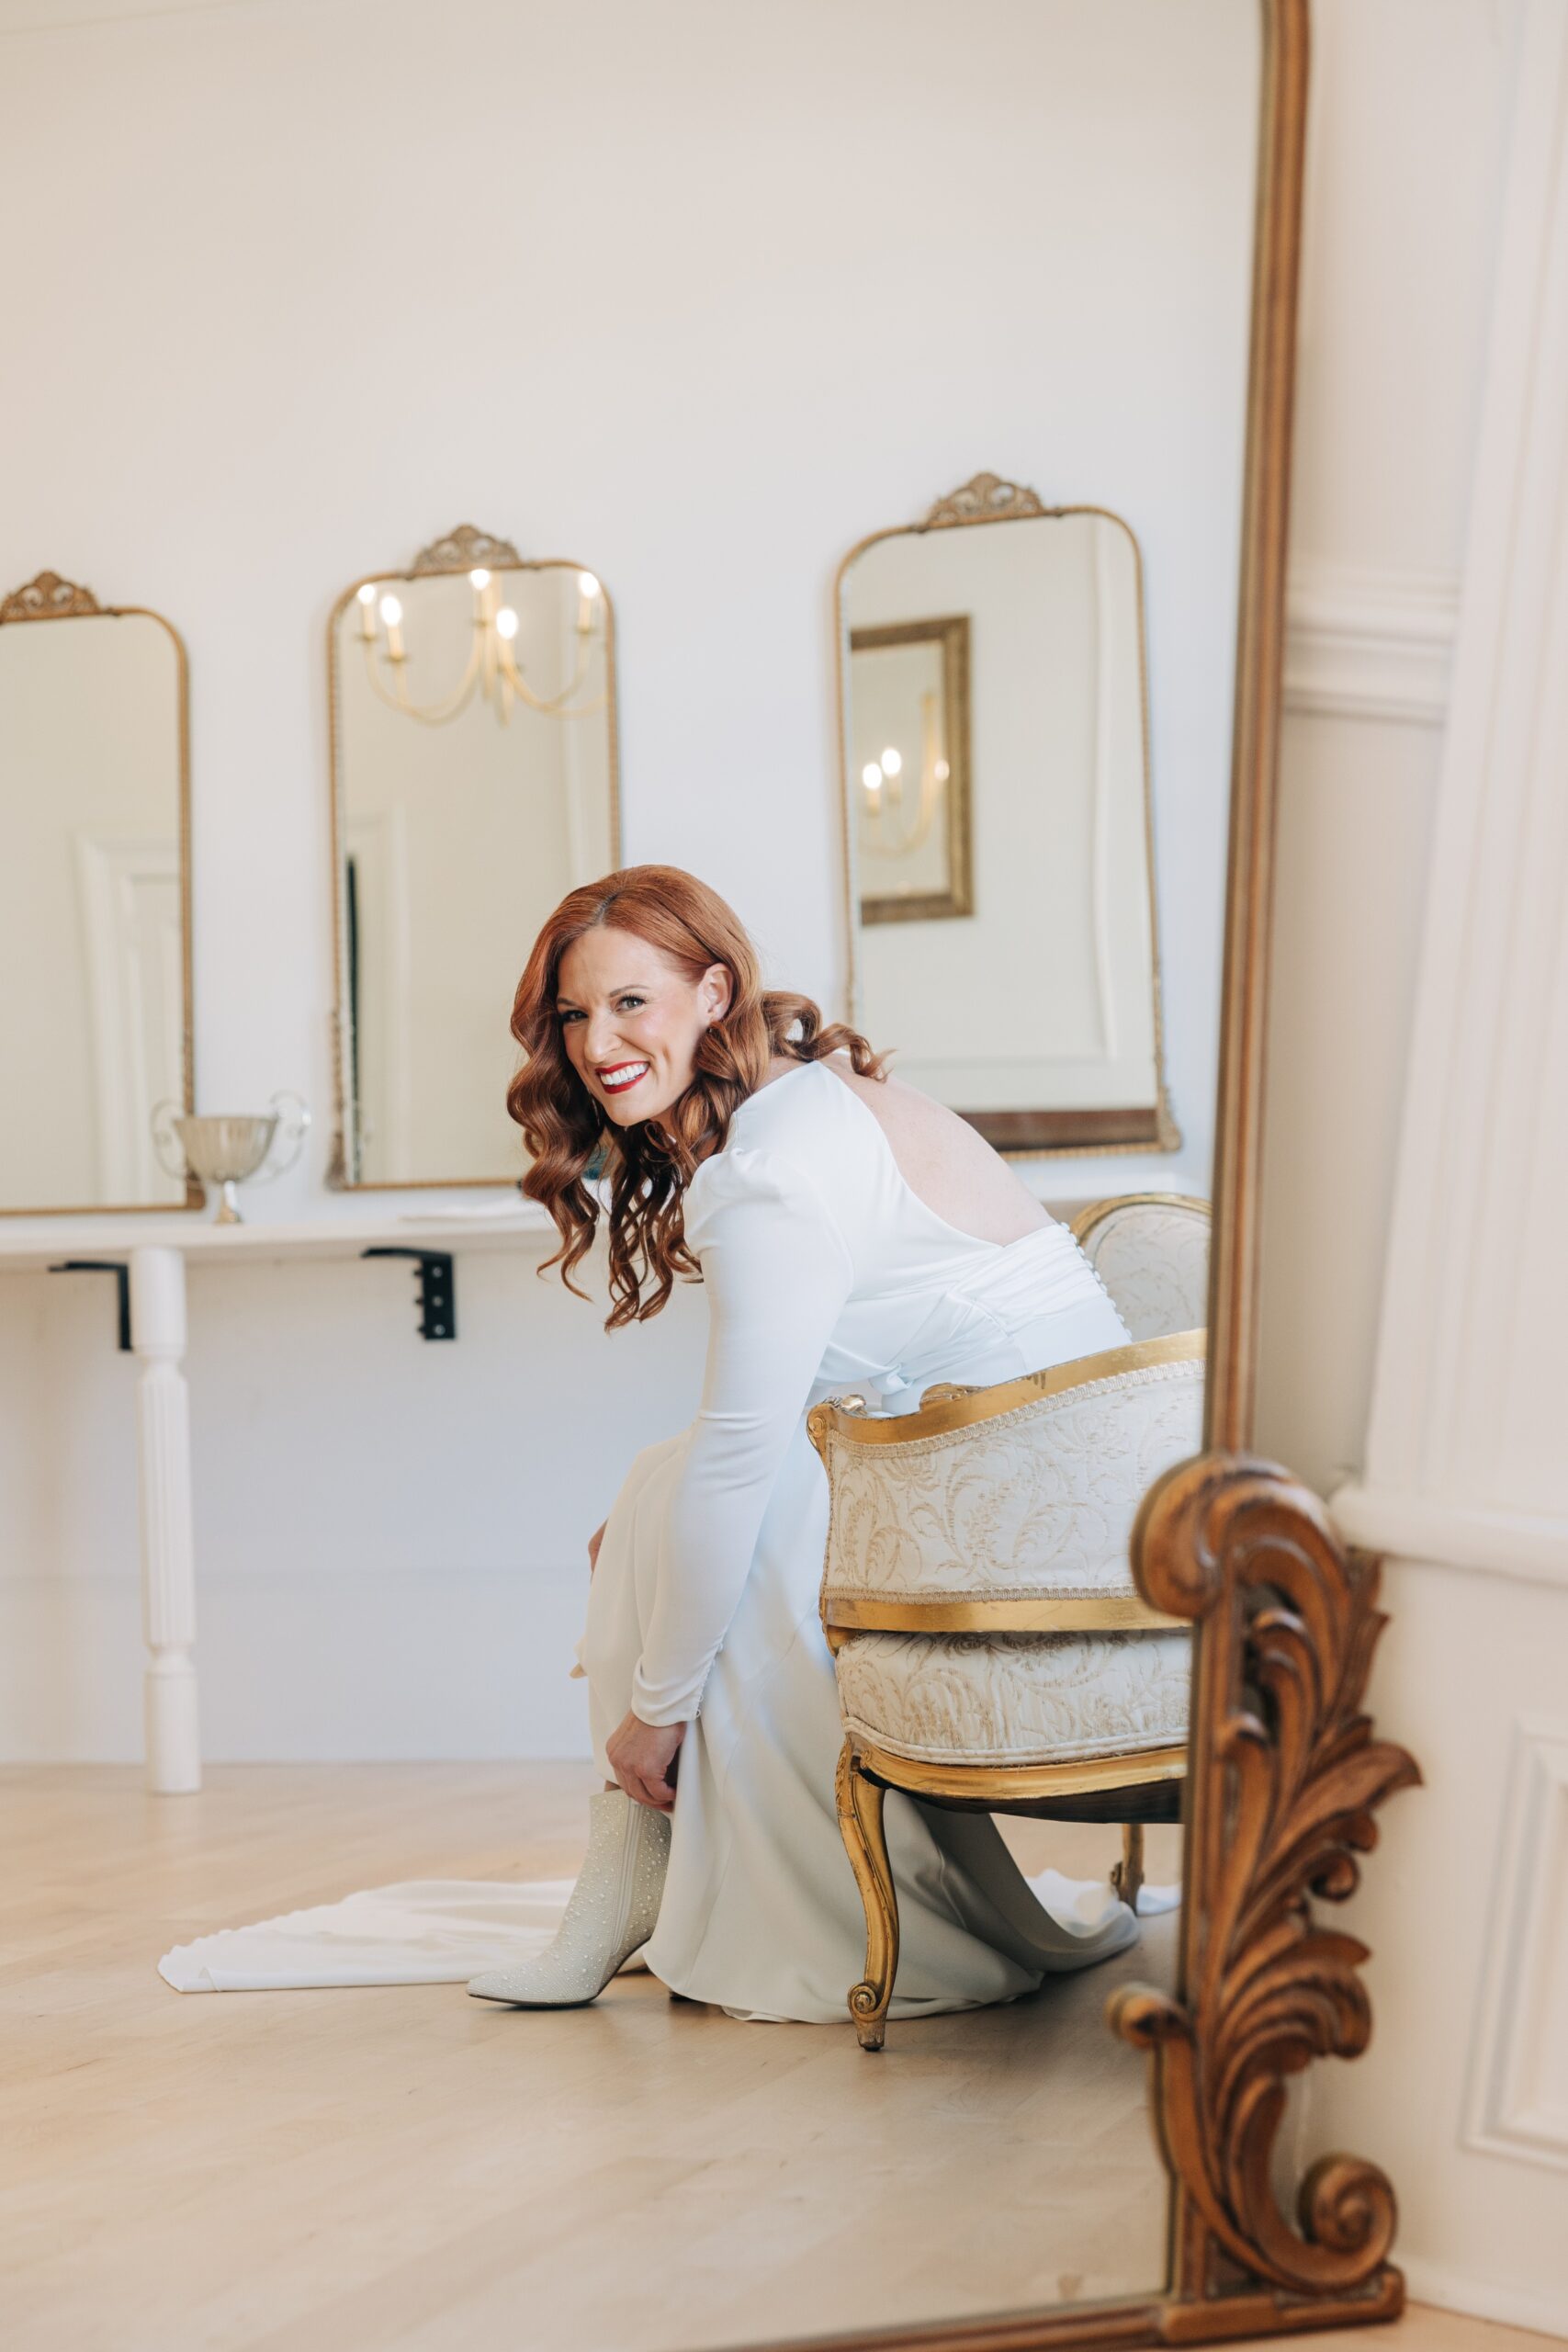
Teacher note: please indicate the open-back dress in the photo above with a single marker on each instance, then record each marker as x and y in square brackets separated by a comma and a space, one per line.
[824, 1271]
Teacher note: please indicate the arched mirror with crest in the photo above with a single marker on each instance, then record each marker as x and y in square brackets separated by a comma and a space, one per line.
[473, 782]
[95, 997]
[1003, 923]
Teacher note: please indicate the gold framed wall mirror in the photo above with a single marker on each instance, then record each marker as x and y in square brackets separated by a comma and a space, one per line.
[96, 1029]
[1282, 1772]
[1001, 920]
[474, 780]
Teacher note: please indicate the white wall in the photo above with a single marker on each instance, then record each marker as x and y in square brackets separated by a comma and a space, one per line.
[539, 268]
[1402, 982]
[315, 280]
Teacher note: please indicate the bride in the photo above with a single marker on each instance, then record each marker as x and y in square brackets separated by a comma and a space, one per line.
[848, 1233]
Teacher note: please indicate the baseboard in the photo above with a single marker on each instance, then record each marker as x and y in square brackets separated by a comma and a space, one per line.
[1427, 2282]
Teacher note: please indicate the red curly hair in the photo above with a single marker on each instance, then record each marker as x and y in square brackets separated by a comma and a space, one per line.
[649, 1165]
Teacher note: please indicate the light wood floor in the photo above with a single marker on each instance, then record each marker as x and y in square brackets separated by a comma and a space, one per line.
[406, 2170]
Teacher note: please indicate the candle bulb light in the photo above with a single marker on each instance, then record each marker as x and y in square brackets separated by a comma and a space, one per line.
[494, 673]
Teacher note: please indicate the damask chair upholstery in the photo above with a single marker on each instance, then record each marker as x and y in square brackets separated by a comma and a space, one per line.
[1151, 1251]
[992, 1651]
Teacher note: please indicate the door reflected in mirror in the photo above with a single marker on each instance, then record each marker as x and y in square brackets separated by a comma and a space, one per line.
[94, 933]
[474, 758]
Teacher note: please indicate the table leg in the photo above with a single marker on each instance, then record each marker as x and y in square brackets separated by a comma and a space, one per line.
[168, 1570]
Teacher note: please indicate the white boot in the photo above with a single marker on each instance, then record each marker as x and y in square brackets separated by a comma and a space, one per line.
[609, 1914]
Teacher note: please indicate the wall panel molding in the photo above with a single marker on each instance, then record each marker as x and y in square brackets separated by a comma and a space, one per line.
[1518, 2099]
[1469, 1352]
[1464, 1463]
[1364, 644]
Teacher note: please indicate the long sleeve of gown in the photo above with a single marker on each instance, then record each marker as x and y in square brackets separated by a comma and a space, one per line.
[777, 1272]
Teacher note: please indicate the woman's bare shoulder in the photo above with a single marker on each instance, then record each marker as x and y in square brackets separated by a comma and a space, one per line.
[945, 1162]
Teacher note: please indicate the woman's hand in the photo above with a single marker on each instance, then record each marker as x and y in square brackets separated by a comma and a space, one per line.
[642, 1757]
[593, 1543]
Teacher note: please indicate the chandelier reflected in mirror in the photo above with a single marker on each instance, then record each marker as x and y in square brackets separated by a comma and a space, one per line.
[509, 661]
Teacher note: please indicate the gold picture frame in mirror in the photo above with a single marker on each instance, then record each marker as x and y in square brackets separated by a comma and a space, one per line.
[916, 852]
[99, 1031]
[1284, 1773]
[474, 781]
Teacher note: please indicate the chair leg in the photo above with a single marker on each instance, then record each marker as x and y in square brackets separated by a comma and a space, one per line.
[859, 1823]
[1127, 1878]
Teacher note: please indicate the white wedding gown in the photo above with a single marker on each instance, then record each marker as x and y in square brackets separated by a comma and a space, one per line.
[824, 1272]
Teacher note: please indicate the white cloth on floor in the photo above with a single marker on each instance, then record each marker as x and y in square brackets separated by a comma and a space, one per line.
[442, 1931]
[424, 1931]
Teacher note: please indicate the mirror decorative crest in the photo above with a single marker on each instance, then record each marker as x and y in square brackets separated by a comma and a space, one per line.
[95, 900]
[999, 828]
[474, 770]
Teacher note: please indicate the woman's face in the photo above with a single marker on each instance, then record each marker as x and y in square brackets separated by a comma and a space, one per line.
[630, 1020]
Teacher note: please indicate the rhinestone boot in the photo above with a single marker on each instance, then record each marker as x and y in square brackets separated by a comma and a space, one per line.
[609, 1914]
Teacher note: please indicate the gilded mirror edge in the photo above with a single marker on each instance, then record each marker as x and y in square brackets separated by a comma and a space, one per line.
[945, 513]
[19, 609]
[455, 551]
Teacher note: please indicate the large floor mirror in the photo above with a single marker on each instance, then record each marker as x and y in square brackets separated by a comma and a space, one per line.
[1069, 1604]
[1056, 727]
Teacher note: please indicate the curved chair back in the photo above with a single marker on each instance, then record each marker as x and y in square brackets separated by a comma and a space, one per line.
[1009, 1509]
[1151, 1251]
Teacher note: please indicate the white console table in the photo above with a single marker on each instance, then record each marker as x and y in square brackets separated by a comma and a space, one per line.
[155, 1249]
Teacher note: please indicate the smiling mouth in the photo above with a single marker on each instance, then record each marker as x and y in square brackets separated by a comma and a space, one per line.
[622, 1076]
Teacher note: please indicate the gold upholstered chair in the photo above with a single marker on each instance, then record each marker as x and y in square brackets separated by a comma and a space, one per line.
[991, 1649]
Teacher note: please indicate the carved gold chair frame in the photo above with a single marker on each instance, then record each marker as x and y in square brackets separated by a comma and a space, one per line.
[1129, 1789]
[1284, 1773]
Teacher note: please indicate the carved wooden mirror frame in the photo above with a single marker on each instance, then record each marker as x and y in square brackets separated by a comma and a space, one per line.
[1284, 1773]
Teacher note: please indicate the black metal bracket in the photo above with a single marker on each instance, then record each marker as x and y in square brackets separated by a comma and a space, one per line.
[105, 1266]
[437, 1290]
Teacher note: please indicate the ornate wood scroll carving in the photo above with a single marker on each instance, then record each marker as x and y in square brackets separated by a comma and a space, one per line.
[462, 550]
[1286, 1776]
[48, 598]
[986, 499]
